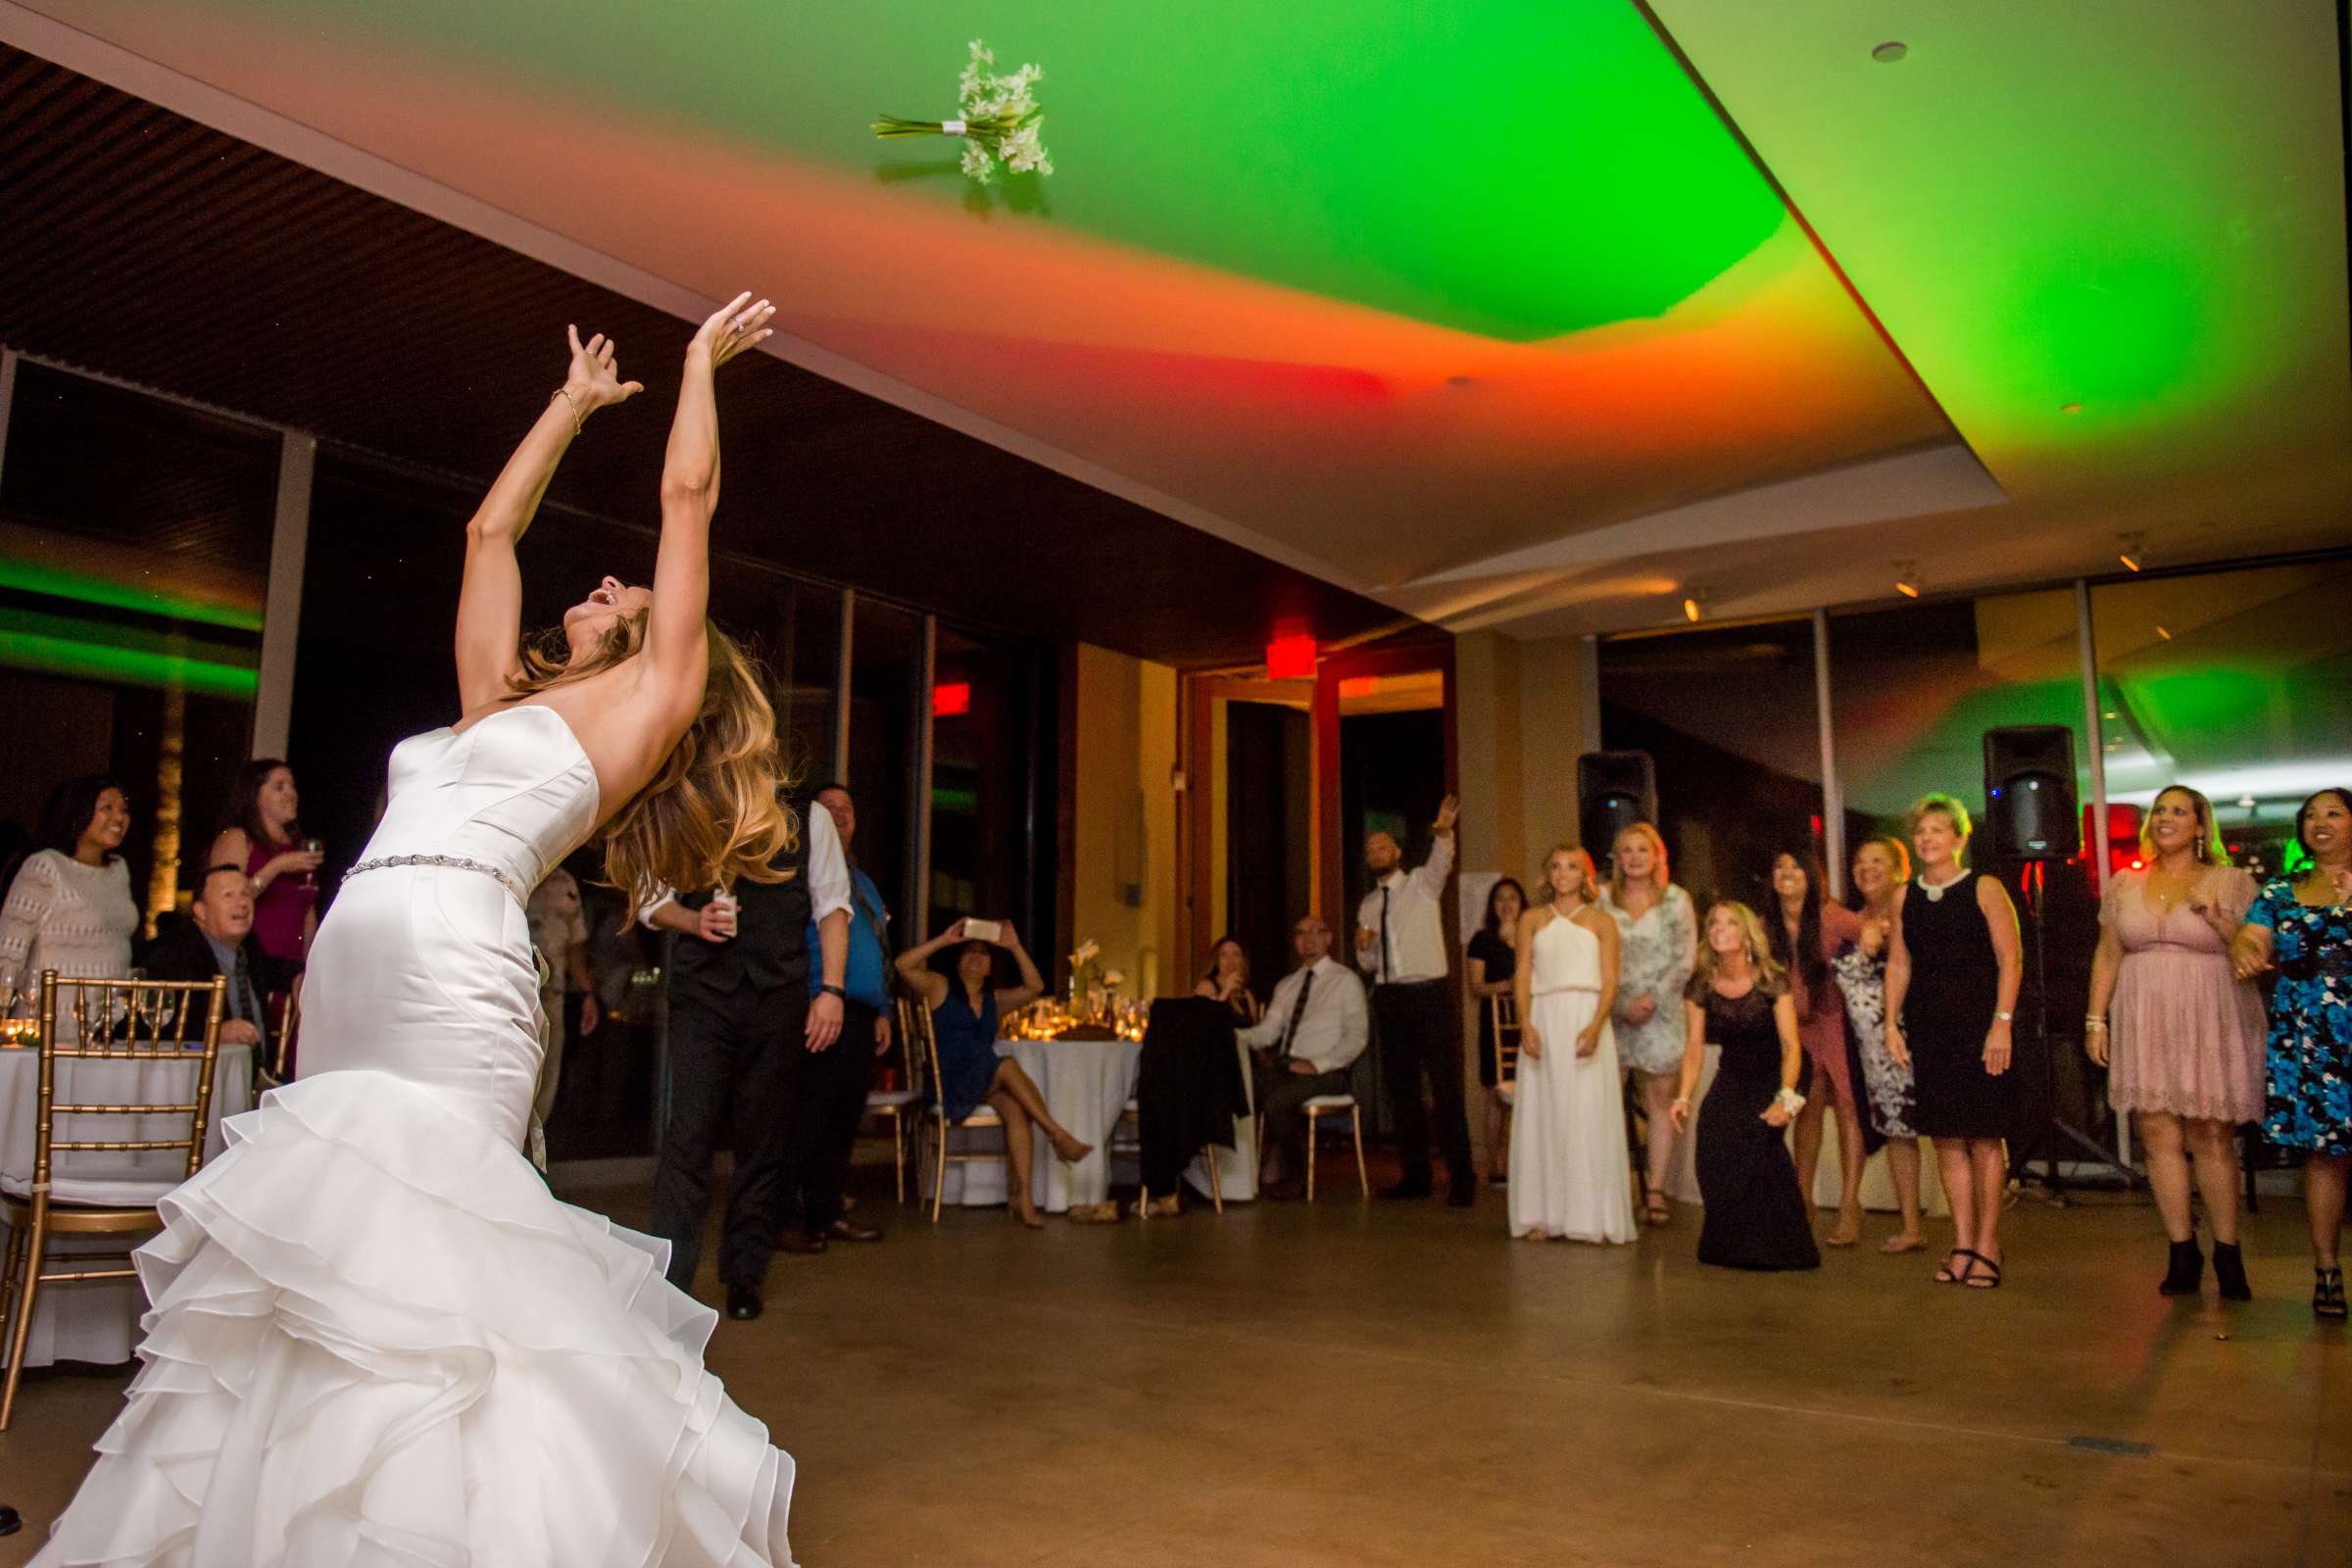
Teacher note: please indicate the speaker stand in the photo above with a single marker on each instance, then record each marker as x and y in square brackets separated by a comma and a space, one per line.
[2055, 1131]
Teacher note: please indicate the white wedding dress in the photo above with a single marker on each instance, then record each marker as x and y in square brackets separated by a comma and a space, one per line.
[377, 1340]
[1570, 1175]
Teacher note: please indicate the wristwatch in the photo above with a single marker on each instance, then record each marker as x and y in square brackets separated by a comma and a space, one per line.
[835, 990]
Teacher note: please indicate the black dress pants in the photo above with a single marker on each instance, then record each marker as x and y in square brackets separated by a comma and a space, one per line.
[733, 1069]
[1420, 1034]
[829, 1102]
[1281, 1093]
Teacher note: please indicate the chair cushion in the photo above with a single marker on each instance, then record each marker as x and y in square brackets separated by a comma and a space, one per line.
[1331, 1103]
[890, 1099]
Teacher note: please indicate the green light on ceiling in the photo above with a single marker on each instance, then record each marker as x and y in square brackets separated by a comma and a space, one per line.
[1521, 169]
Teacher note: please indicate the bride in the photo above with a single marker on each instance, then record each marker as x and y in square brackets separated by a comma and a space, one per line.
[376, 1339]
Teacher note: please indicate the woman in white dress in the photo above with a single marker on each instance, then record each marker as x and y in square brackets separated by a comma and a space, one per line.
[1569, 1171]
[376, 1338]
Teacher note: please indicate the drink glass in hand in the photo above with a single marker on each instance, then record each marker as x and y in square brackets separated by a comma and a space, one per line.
[724, 902]
[309, 879]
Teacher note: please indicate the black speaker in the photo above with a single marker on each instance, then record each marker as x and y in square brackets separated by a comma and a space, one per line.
[2030, 811]
[1613, 790]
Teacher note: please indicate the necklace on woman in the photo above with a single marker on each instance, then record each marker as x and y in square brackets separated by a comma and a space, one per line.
[1937, 890]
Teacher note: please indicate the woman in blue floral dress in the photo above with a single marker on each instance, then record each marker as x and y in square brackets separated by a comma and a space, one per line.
[2303, 928]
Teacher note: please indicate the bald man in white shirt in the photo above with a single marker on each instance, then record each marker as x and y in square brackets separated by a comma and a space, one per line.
[1400, 943]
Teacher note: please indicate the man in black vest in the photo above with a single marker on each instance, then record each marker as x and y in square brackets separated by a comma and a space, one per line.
[741, 1026]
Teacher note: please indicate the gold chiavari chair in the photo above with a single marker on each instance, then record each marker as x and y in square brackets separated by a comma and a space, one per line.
[916, 1019]
[897, 1106]
[1315, 1110]
[1502, 1020]
[93, 1023]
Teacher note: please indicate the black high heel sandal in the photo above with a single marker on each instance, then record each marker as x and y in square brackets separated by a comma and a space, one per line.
[2327, 1293]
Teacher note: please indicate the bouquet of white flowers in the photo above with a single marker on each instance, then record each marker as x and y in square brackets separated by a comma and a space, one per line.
[1000, 121]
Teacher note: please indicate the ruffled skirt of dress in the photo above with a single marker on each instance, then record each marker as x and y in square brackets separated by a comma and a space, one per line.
[2186, 1037]
[377, 1339]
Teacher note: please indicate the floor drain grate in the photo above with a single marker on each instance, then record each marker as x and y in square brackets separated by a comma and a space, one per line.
[2135, 1450]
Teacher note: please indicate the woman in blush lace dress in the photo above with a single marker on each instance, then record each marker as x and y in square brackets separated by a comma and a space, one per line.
[376, 1338]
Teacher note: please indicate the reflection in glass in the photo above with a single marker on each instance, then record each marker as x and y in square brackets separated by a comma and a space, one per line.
[982, 736]
[886, 662]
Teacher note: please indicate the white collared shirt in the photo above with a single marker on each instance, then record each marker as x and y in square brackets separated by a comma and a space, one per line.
[1332, 1030]
[828, 872]
[1416, 922]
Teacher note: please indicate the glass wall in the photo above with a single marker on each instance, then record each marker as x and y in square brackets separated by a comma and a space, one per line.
[983, 734]
[1730, 717]
[886, 696]
[135, 559]
[2237, 683]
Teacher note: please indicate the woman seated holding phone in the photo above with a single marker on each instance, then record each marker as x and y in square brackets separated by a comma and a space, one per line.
[964, 1013]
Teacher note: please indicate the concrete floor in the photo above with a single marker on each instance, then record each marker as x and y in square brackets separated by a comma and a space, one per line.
[1353, 1383]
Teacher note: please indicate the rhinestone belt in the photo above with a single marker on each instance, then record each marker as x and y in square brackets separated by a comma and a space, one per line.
[455, 863]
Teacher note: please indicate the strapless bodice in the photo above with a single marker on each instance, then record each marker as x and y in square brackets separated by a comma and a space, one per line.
[514, 791]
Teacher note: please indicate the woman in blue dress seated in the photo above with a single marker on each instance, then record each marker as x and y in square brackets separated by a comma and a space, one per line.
[964, 1016]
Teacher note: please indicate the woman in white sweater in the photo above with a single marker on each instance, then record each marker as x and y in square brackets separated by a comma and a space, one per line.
[69, 907]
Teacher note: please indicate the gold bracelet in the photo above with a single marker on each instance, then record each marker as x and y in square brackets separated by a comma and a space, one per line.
[579, 415]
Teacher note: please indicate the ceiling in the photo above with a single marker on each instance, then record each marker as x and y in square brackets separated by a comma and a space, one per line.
[1533, 315]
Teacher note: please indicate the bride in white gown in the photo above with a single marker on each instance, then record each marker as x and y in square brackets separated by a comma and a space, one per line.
[377, 1340]
[1570, 1176]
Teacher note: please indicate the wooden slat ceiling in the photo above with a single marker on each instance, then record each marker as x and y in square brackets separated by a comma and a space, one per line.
[141, 245]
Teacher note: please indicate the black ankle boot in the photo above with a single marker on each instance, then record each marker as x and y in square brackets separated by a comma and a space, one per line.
[2229, 1272]
[2187, 1272]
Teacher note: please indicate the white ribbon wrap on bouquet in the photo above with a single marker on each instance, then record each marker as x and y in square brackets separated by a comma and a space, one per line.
[950, 128]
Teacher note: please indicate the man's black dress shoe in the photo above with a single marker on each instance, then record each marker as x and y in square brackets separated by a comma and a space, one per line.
[1406, 1191]
[1464, 1194]
[842, 1230]
[799, 1241]
[744, 1303]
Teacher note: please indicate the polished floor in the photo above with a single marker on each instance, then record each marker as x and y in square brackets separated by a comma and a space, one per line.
[1372, 1384]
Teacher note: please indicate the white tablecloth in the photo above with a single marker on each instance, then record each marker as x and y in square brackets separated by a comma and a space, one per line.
[100, 1322]
[1086, 1084]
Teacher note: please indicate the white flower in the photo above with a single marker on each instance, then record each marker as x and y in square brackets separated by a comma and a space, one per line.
[977, 164]
[1023, 153]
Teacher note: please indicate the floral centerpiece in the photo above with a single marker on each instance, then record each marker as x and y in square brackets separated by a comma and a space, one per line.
[1000, 122]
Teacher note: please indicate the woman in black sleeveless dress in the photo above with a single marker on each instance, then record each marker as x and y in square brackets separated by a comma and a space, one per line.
[1755, 1217]
[1953, 973]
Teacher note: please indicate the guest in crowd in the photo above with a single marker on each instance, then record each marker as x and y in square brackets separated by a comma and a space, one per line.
[964, 1014]
[1807, 931]
[560, 936]
[1756, 1216]
[1951, 994]
[1400, 943]
[69, 907]
[1314, 1028]
[217, 940]
[263, 835]
[1492, 958]
[1228, 981]
[834, 1084]
[2303, 926]
[1881, 866]
[1568, 1154]
[743, 1022]
[1657, 945]
[2179, 1033]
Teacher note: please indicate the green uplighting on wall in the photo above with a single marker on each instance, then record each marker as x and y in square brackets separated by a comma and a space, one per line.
[88, 589]
[88, 661]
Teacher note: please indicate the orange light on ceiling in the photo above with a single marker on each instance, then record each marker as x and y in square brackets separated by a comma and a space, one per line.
[1291, 658]
[951, 699]
[1690, 610]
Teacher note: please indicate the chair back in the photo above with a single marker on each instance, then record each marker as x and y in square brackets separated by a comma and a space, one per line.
[271, 1069]
[121, 1023]
[1502, 1019]
[922, 1048]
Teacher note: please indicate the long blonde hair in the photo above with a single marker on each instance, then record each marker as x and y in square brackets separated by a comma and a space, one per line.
[714, 812]
[1760, 961]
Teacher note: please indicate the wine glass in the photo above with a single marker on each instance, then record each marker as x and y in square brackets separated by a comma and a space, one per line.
[309, 879]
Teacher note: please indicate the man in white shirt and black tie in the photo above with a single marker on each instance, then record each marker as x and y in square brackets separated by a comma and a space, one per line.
[1400, 943]
[1314, 1028]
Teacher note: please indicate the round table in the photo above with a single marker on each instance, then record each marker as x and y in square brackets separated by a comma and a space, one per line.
[100, 1322]
[1086, 1084]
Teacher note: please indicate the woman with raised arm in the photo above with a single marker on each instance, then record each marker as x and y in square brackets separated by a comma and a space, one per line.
[375, 1334]
[964, 1016]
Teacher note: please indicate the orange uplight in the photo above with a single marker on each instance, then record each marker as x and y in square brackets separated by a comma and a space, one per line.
[1291, 658]
[951, 699]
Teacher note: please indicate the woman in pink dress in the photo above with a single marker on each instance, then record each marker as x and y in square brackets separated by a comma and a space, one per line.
[2180, 1035]
[1807, 932]
[263, 835]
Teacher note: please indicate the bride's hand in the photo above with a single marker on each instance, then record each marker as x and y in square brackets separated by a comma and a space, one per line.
[594, 381]
[737, 325]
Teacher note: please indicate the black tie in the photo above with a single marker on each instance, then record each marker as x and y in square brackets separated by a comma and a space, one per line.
[1388, 960]
[1289, 1030]
[244, 1004]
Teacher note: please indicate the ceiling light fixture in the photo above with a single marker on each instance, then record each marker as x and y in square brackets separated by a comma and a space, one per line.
[1892, 50]
[1695, 603]
[1906, 578]
[2165, 635]
[2134, 547]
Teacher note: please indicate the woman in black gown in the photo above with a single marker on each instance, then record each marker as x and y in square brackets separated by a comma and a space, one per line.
[1757, 1218]
[1952, 972]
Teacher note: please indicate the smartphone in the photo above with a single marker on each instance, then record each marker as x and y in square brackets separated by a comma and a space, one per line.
[982, 930]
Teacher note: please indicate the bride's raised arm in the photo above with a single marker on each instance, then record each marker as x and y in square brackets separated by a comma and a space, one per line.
[677, 646]
[490, 602]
